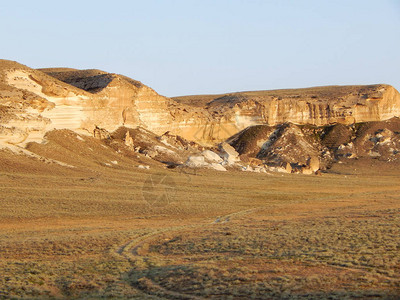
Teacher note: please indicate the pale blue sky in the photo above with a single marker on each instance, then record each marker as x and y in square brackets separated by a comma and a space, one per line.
[192, 47]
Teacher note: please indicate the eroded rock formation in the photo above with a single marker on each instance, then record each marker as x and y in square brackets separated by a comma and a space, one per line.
[33, 102]
[308, 148]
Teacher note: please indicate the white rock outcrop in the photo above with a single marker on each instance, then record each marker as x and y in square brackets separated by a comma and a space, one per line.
[196, 161]
[206, 159]
[211, 157]
[229, 154]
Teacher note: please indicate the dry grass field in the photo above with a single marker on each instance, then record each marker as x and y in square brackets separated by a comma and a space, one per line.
[122, 232]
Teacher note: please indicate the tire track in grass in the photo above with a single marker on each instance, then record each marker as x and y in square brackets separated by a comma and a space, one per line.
[129, 251]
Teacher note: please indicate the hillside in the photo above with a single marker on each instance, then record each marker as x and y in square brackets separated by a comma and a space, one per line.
[286, 130]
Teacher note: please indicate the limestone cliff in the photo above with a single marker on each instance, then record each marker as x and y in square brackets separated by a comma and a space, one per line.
[316, 106]
[32, 102]
[36, 101]
[119, 100]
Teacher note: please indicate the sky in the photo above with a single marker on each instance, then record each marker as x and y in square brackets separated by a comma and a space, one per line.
[186, 47]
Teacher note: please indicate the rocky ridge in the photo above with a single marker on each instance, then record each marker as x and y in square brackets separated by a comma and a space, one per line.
[300, 130]
[299, 148]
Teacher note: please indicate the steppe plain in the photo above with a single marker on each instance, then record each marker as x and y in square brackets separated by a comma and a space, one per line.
[93, 232]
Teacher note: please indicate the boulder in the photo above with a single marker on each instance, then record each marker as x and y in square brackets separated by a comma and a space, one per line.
[288, 167]
[211, 156]
[307, 171]
[143, 167]
[128, 140]
[247, 168]
[313, 163]
[196, 161]
[229, 153]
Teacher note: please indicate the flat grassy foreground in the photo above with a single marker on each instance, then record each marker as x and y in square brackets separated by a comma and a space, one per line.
[177, 234]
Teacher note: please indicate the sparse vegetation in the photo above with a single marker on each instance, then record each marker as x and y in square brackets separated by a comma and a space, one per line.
[88, 233]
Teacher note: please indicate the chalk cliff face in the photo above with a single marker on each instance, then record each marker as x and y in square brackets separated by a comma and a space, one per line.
[33, 102]
[316, 106]
[118, 100]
